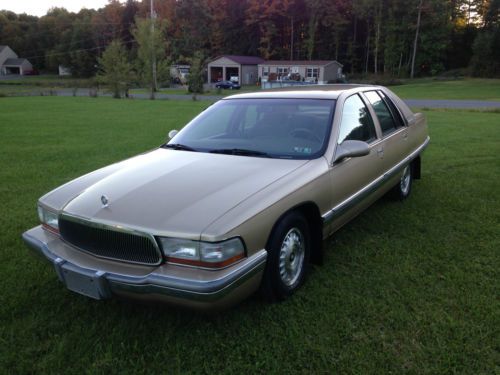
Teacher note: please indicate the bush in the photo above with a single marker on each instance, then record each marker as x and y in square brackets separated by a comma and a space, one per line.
[454, 73]
[383, 80]
[195, 78]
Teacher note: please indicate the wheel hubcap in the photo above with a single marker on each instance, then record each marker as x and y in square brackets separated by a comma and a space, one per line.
[292, 257]
[405, 181]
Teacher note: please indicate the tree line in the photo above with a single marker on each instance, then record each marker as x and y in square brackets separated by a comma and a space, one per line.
[396, 38]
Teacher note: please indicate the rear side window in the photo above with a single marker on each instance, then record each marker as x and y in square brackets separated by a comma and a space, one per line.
[356, 123]
[395, 112]
[387, 123]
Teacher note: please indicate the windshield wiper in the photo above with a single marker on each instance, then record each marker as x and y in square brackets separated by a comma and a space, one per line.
[179, 146]
[239, 151]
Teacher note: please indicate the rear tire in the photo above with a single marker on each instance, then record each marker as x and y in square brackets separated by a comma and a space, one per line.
[403, 189]
[289, 249]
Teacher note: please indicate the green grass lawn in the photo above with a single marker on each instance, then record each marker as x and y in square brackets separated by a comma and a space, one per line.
[406, 287]
[476, 89]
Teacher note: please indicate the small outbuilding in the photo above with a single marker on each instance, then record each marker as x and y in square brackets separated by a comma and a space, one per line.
[317, 71]
[230, 67]
[10, 63]
[64, 70]
[17, 67]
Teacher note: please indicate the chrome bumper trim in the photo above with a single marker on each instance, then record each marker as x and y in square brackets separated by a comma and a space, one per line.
[107, 283]
[372, 186]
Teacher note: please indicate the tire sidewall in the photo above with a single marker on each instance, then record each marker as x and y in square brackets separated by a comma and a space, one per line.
[405, 194]
[274, 286]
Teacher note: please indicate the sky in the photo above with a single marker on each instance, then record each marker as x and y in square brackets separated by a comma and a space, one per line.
[40, 7]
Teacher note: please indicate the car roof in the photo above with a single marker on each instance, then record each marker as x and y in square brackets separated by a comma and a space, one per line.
[306, 91]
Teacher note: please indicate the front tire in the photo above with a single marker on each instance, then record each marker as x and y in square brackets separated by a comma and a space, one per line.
[289, 249]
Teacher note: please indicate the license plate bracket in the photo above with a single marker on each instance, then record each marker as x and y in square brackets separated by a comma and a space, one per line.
[86, 282]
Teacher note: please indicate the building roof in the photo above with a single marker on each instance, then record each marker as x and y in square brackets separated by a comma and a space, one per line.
[15, 62]
[243, 60]
[300, 62]
[2, 48]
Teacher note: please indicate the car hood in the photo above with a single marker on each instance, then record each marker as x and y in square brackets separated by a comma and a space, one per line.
[176, 193]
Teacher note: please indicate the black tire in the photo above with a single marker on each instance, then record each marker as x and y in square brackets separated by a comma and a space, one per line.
[403, 188]
[289, 249]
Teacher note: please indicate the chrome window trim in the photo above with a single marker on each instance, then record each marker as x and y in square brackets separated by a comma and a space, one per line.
[116, 228]
[372, 186]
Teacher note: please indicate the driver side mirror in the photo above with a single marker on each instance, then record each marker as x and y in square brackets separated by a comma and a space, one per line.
[351, 149]
[172, 133]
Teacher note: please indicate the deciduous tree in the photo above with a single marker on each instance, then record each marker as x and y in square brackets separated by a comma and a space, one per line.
[151, 64]
[115, 69]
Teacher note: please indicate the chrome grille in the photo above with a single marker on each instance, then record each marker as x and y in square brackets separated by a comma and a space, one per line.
[107, 242]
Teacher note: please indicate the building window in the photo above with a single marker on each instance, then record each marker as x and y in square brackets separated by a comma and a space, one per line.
[265, 71]
[312, 73]
[282, 71]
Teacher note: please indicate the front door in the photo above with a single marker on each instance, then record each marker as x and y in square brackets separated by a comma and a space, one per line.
[352, 178]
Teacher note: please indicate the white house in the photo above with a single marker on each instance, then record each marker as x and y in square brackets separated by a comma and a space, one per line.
[320, 71]
[10, 63]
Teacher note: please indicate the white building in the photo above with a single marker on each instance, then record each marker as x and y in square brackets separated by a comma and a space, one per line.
[228, 67]
[319, 71]
[10, 63]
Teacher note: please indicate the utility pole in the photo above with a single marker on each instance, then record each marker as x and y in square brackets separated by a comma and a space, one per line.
[153, 54]
[415, 42]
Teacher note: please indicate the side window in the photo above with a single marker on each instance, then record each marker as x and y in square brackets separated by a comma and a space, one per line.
[356, 123]
[395, 113]
[387, 123]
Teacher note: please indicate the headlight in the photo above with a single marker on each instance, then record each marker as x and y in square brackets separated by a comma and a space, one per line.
[49, 219]
[202, 254]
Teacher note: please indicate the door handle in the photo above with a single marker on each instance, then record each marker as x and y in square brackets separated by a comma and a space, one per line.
[380, 152]
[405, 136]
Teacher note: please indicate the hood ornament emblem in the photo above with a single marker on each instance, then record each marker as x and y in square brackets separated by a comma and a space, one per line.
[104, 201]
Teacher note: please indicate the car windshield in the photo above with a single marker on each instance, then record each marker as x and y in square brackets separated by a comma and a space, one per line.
[278, 128]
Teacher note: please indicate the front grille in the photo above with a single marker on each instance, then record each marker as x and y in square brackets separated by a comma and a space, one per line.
[105, 242]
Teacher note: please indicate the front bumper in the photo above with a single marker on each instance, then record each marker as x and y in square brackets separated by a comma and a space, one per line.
[184, 286]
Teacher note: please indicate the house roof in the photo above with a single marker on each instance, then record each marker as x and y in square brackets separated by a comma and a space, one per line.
[2, 47]
[15, 62]
[300, 62]
[243, 60]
